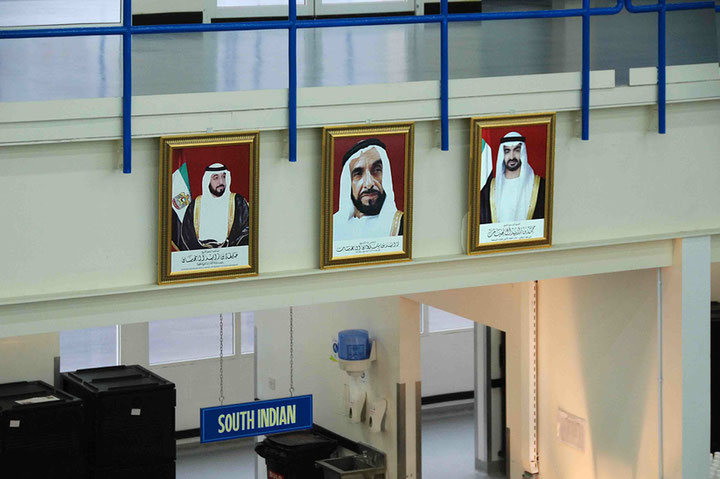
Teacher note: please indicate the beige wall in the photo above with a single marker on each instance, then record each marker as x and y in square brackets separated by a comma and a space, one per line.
[392, 322]
[98, 246]
[597, 358]
[29, 358]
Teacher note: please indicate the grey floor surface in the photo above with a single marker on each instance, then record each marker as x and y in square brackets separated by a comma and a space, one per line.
[89, 67]
[448, 443]
[447, 452]
[220, 460]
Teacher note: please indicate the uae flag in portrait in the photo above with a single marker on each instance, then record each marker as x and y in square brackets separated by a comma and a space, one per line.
[180, 199]
[486, 162]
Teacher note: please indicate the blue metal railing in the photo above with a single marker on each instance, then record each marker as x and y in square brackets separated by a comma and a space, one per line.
[661, 8]
[292, 24]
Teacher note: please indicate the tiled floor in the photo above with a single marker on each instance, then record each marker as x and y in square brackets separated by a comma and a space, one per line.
[448, 443]
[234, 459]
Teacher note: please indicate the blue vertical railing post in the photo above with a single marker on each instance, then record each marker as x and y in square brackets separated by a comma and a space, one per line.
[586, 71]
[661, 8]
[662, 83]
[127, 88]
[444, 80]
[292, 81]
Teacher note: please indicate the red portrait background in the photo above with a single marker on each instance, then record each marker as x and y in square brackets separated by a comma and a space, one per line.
[536, 137]
[235, 157]
[395, 147]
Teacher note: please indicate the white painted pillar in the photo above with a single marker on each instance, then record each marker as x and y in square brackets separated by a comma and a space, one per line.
[409, 314]
[686, 360]
[481, 397]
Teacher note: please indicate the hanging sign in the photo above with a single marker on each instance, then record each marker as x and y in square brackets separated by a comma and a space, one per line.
[256, 418]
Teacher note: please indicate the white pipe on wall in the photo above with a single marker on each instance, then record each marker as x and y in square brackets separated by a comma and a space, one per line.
[660, 372]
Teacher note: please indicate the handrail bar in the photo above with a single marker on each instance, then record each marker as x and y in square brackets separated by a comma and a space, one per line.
[127, 30]
[319, 23]
[661, 8]
[668, 6]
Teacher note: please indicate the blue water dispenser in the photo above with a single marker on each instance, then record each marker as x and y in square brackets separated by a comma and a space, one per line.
[355, 351]
[353, 344]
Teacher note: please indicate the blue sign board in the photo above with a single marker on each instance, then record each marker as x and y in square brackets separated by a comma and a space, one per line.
[256, 418]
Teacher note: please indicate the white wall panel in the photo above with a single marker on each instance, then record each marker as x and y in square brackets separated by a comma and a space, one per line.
[78, 228]
[597, 359]
[447, 362]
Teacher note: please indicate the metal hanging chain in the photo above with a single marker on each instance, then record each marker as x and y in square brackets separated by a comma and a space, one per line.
[222, 395]
[292, 353]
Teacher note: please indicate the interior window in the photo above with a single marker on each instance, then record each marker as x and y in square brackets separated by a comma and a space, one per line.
[89, 348]
[188, 339]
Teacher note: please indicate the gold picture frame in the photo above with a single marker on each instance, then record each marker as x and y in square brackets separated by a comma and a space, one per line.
[377, 227]
[514, 211]
[208, 206]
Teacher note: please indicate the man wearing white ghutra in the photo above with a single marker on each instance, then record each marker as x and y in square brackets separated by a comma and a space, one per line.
[516, 193]
[217, 218]
[367, 198]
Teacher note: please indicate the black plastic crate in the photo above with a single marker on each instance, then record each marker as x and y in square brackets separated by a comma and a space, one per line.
[148, 471]
[41, 432]
[130, 415]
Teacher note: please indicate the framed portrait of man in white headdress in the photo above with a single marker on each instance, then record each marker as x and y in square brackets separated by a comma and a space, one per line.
[367, 183]
[208, 207]
[511, 182]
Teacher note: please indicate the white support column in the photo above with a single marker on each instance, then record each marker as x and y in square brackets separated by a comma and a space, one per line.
[686, 360]
[481, 406]
[529, 378]
[409, 314]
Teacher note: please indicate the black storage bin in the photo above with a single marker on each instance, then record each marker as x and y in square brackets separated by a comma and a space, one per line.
[130, 416]
[41, 432]
[293, 455]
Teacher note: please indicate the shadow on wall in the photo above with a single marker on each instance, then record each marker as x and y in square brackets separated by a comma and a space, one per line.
[597, 342]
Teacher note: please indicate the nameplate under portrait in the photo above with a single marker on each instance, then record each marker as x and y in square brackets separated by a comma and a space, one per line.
[367, 182]
[511, 182]
[208, 206]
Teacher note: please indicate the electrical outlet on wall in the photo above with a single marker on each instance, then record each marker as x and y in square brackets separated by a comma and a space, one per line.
[271, 383]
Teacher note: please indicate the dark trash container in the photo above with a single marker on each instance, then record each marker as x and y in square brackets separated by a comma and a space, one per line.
[41, 432]
[129, 416]
[293, 455]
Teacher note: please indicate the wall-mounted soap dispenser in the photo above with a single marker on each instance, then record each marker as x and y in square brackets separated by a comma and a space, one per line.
[355, 407]
[376, 414]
